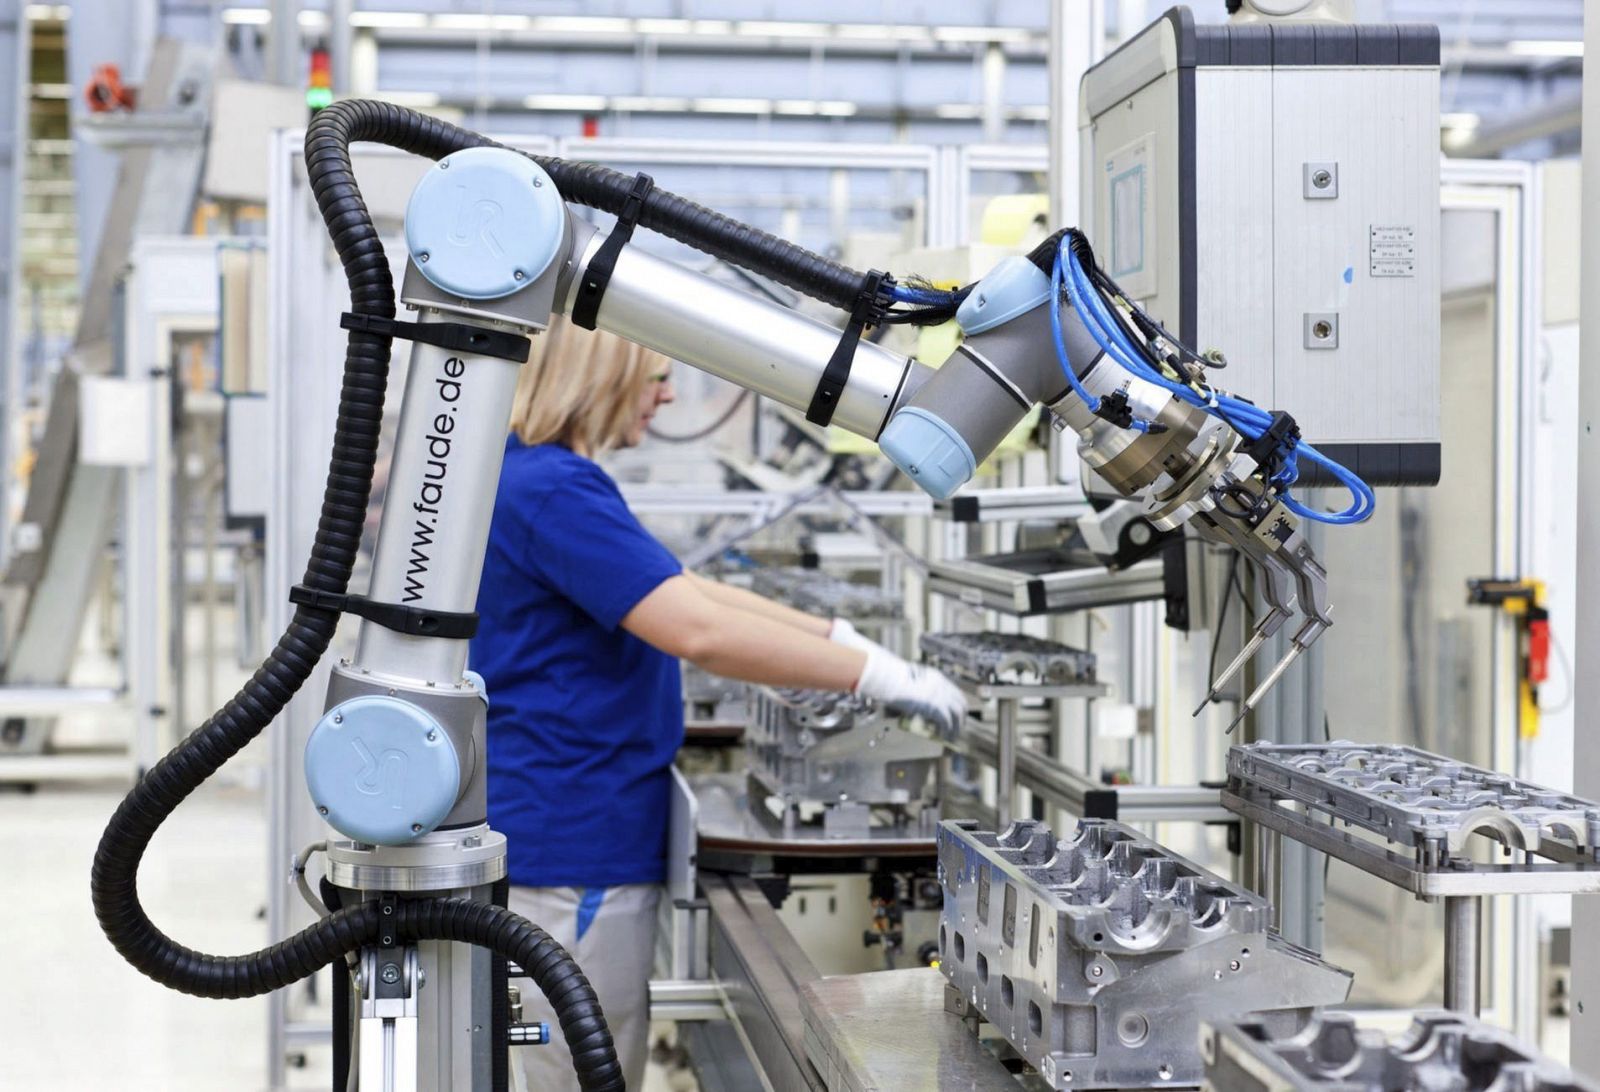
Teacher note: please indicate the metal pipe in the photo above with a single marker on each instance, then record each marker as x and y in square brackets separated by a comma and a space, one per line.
[283, 44]
[1006, 769]
[341, 45]
[1269, 870]
[1461, 954]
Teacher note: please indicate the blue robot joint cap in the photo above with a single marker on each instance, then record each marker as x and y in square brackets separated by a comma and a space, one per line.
[1012, 288]
[484, 223]
[381, 770]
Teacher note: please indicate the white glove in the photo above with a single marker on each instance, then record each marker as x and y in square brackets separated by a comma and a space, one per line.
[912, 689]
[843, 633]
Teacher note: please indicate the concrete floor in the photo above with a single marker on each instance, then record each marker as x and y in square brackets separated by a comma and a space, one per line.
[73, 1015]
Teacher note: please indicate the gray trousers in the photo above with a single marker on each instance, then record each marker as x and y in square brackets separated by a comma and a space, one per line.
[611, 932]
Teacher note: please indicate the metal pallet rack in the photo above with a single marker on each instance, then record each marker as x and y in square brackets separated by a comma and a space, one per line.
[1434, 809]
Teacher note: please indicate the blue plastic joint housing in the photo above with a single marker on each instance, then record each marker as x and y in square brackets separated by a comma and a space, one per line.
[1012, 288]
[484, 223]
[928, 451]
[381, 770]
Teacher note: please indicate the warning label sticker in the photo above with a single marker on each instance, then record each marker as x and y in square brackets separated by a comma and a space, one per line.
[1394, 251]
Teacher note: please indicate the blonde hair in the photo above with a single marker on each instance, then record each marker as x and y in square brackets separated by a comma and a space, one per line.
[581, 388]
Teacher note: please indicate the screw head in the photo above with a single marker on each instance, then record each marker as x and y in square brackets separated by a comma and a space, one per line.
[432, 735]
[416, 828]
[518, 275]
[1096, 971]
[444, 164]
[390, 973]
[1233, 965]
[321, 810]
[338, 718]
[423, 257]
[537, 181]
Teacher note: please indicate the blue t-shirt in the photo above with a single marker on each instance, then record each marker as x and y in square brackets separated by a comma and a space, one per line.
[584, 718]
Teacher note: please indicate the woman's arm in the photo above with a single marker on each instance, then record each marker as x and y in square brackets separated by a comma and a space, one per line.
[754, 643]
[730, 596]
[681, 620]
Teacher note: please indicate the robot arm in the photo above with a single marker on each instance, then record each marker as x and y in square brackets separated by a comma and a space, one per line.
[396, 765]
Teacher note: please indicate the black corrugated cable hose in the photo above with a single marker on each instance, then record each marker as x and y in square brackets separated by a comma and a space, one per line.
[114, 879]
[605, 189]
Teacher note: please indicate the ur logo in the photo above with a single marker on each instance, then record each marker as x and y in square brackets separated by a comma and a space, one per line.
[475, 216]
[383, 776]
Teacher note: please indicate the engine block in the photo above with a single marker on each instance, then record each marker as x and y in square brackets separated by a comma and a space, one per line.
[1440, 1050]
[1096, 956]
[1000, 658]
[809, 747]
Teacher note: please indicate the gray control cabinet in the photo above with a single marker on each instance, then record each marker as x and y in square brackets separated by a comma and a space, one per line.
[1271, 191]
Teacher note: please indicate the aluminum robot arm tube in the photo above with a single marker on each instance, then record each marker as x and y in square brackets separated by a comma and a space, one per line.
[753, 342]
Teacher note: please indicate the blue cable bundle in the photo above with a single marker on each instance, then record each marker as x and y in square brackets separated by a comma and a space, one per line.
[1250, 421]
[927, 297]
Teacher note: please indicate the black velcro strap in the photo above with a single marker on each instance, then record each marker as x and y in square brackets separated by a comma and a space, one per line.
[825, 399]
[409, 620]
[586, 308]
[458, 337]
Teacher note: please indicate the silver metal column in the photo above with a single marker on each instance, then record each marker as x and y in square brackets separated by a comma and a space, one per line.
[283, 44]
[341, 44]
[1461, 954]
[1586, 756]
[1006, 767]
[1269, 869]
[14, 49]
[1296, 711]
[1076, 30]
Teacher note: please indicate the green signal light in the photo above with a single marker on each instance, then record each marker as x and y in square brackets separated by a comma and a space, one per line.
[319, 97]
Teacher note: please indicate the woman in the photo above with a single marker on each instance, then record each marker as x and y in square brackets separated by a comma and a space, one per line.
[583, 618]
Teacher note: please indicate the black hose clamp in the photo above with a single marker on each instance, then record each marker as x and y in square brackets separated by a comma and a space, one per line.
[1272, 448]
[868, 311]
[458, 337]
[412, 621]
[592, 289]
